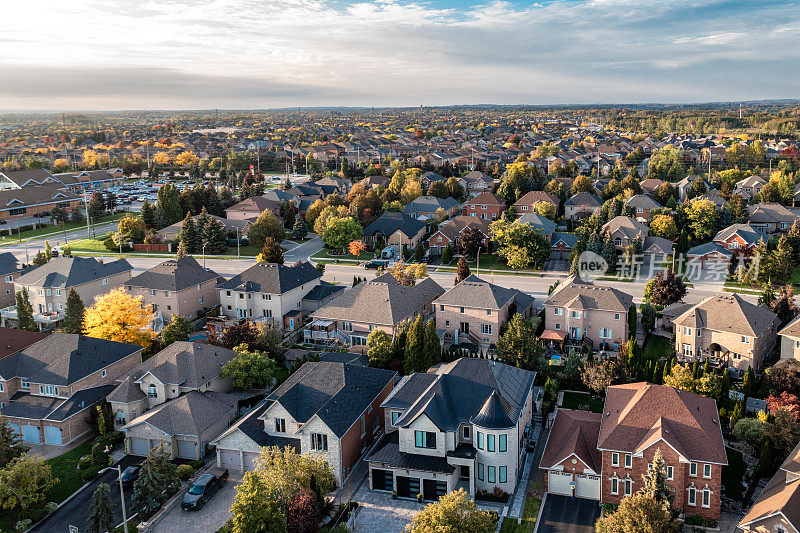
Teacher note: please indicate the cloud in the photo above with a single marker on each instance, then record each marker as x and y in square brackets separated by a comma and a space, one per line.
[263, 53]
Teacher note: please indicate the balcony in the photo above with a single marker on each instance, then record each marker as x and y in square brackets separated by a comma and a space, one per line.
[324, 332]
[43, 319]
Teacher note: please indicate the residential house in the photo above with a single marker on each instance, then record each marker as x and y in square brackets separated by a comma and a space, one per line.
[329, 409]
[777, 508]
[561, 244]
[32, 192]
[685, 185]
[177, 398]
[10, 270]
[543, 225]
[381, 303]
[463, 425]
[486, 206]
[429, 177]
[49, 285]
[771, 217]
[651, 185]
[749, 187]
[790, 340]
[584, 312]
[642, 205]
[177, 287]
[476, 182]
[581, 205]
[527, 202]
[395, 230]
[342, 186]
[729, 243]
[426, 207]
[47, 388]
[449, 232]
[602, 456]
[728, 330]
[625, 231]
[475, 310]
[238, 227]
[13, 340]
[266, 292]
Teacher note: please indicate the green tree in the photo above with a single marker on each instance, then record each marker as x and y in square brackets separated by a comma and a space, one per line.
[190, 236]
[680, 377]
[379, 348]
[339, 232]
[702, 216]
[267, 225]
[300, 229]
[11, 445]
[169, 204]
[101, 518]
[749, 382]
[40, 258]
[639, 513]
[518, 345]
[157, 482]
[178, 329]
[24, 482]
[454, 512]
[250, 370]
[73, 314]
[648, 317]
[433, 348]
[271, 252]
[148, 214]
[519, 244]
[462, 270]
[254, 509]
[415, 360]
[214, 236]
[655, 481]
[24, 311]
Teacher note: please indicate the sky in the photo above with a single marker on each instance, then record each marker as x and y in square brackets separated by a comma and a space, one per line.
[96, 55]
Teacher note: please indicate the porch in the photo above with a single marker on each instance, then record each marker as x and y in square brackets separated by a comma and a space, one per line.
[324, 332]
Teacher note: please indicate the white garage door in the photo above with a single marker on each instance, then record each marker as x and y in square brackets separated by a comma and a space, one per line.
[587, 486]
[558, 483]
[138, 447]
[187, 449]
[52, 435]
[250, 461]
[30, 434]
[230, 459]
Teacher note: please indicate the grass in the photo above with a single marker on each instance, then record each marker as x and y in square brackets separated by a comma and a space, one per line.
[95, 245]
[658, 347]
[529, 515]
[54, 230]
[732, 474]
[64, 468]
[581, 402]
[494, 262]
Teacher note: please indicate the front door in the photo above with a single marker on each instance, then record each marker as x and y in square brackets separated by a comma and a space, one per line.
[242, 313]
[465, 327]
[464, 472]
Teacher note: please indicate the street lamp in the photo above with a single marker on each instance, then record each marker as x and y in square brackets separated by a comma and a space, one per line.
[118, 468]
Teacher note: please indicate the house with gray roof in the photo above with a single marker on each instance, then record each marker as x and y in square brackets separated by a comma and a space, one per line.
[395, 230]
[770, 217]
[642, 205]
[330, 409]
[47, 387]
[473, 312]
[10, 270]
[463, 425]
[381, 303]
[426, 207]
[581, 205]
[543, 225]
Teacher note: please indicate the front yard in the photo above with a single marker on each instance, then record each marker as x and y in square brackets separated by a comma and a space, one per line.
[529, 515]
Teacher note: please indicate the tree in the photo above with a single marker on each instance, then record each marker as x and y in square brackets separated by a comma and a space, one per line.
[11, 445]
[132, 227]
[749, 382]
[462, 270]
[214, 236]
[668, 288]
[169, 204]
[254, 509]
[639, 513]
[97, 206]
[379, 348]
[655, 481]
[267, 225]
[40, 258]
[573, 366]
[157, 482]
[250, 370]
[784, 305]
[24, 311]
[648, 317]
[598, 376]
[238, 334]
[471, 241]
[101, 518]
[340, 232]
[518, 345]
[24, 482]
[271, 252]
[433, 348]
[664, 226]
[633, 320]
[415, 360]
[519, 243]
[117, 316]
[178, 329]
[750, 430]
[357, 247]
[303, 513]
[681, 378]
[702, 216]
[190, 236]
[59, 215]
[454, 512]
[300, 229]
[74, 313]
[148, 214]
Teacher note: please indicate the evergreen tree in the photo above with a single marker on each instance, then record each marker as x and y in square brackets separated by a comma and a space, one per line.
[415, 359]
[214, 236]
[462, 270]
[399, 341]
[655, 481]
[433, 348]
[24, 311]
[181, 250]
[73, 314]
[749, 382]
[148, 214]
[169, 203]
[610, 253]
[574, 268]
[101, 518]
[213, 204]
[271, 252]
[48, 250]
[300, 229]
[157, 482]
[39, 259]
[190, 236]
[633, 321]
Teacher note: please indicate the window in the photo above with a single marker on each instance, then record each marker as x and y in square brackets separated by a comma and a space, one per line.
[280, 425]
[615, 485]
[605, 333]
[480, 440]
[347, 326]
[58, 292]
[502, 474]
[706, 470]
[201, 300]
[699, 332]
[687, 331]
[1, 386]
[467, 433]
[628, 486]
[489, 443]
[462, 309]
[576, 314]
[24, 385]
[669, 472]
[425, 439]
[48, 390]
[486, 329]
[266, 297]
[227, 293]
[48, 292]
[616, 316]
[267, 313]
[395, 417]
[489, 312]
[152, 292]
[490, 471]
[628, 461]
[103, 373]
[693, 469]
[152, 391]
[706, 497]
[167, 294]
[105, 281]
[502, 443]
[745, 339]
[692, 496]
[9, 279]
[39, 292]
[441, 308]
[614, 459]
[358, 341]
[480, 471]
[200, 287]
[319, 442]
[557, 311]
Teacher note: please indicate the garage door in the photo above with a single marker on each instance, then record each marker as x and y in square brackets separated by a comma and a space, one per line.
[382, 479]
[230, 459]
[30, 434]
[52, 435]
[558, 483]
[250, 461]
[187, 449]
[138, 446]
[587, 486]
[165, 446]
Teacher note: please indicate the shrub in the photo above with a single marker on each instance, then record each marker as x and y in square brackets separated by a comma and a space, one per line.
[50, 507]
[90, 473]
[117, 437]
[496, 495]
[23, 525]
[185, 472]
[85, 463]
[197, 465]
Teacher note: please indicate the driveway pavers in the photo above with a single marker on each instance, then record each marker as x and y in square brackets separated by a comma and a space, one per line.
[562, 514]
[211, 517]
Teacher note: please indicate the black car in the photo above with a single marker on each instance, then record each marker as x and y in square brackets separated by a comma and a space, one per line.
[129, 475]
[376, 264]
[203, 489]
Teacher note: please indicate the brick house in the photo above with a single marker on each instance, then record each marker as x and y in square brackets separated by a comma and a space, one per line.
[396, 230]
[486, 206]
[625, 230]
[527, 202]
[47, 388]
[602, 456]
[449, 232]
[476, 182]
[728, 330]
[463, 425]
[581, 205]
[176, 287]
[777, 509]
[31, 192]
[642, 205]
[475, 310]
[729, 243]
[325, 408]
[426, 207]
[749, 187]
[10, 271]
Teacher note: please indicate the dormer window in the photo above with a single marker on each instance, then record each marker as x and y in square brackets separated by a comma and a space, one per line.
[152, 392]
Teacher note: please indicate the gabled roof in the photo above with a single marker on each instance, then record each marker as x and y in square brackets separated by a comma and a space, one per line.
[573, 433]
[792, 329]
[534, 197]
[730, 313]
[8, 264]
[770, 213]
[584, 198]
[486, 198]
[338, 393]
[538, 222]
[627, 226]
[12, 340]
[188, 414]
[173, 275]
[66, 272]
[477, 175]
[642, 201]
[781, 495]
[251, 426]
[184, 363]
[745, 231]
[429, 204]
[574, 293]
[476, 293]
[388, 223]
[636, 415]
[272, 278]
[127, 392]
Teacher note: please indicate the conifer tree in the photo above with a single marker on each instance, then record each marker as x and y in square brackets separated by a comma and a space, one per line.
[101, 518]
[214, 236]
[73, 315]
[433, 348]
[189, 235]
[415, 359]
[24, 311]
[655, 480]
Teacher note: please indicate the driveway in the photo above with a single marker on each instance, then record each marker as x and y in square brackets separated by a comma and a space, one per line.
[75, 512]
[555, 264]
[303, 251]
[562, 514]
[211, 517]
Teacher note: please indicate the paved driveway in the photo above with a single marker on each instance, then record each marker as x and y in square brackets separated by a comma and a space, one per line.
[211, 517]
[562, 514]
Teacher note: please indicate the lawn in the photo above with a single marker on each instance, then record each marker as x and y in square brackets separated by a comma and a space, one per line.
[96, 245]
[732, 474]
[494, 262]
[529, 515]
[54, 230]
[658, 347]
[581, 402]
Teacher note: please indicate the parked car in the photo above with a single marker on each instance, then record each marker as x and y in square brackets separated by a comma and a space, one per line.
[203, 489]
[376, 264]
[129, 475]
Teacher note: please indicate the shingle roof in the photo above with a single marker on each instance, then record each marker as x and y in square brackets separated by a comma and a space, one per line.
[382, 300]
[708, 248]
[493, 414]
[429, 204]
[642, 201]
[388, 223]
[770, 213]
[13, 340]
[745, 231]
[628, 226]
[486, 198]
[637, 414]
[64, 358]
[8, 263]
[271, 278]
[82, 399]
[574, 293]
[781, 495]
[173, 275]
[584, 198]
[730, 313]
[338, 393]
[253, 427]
[189, 414]
[126, 392]
[65, 272]
[322, 291]
[534, 197]
[537, 221]
[189, 364]
[792, 329]
[475, 293]
[25, 405]
[573, 432]
[387, 451]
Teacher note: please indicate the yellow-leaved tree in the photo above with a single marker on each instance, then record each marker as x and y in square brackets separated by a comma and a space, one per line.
[116, 316]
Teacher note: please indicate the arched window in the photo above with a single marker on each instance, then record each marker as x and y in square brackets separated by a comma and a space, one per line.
[153, 393]
[120, 417]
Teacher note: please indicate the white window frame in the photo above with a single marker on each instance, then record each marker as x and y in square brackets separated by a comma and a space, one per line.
[558, 311]
[628, 460]
[691, 499]
[693, 469]
[707, 471]
[614, 459]
[614, 485]
[706, 495]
